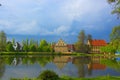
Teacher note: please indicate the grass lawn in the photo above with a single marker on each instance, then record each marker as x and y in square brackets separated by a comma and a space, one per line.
[69, 78]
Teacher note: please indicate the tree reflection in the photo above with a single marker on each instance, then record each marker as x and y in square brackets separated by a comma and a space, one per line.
[26, 60]
[112, 63]
[2, 67]
[81, 63]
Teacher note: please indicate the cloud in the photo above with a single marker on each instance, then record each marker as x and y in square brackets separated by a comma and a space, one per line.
[4, 24]
[50, 17]
[61, 30]
[27, 28]
[76, 9]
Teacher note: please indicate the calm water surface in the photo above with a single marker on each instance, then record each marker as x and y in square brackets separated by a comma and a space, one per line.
[32, 66]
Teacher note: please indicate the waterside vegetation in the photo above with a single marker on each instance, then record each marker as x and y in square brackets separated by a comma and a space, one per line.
[69, 78]
[50, 75]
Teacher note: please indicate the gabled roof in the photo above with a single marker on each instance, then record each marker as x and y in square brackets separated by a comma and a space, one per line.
[98, 43]
[60, 43]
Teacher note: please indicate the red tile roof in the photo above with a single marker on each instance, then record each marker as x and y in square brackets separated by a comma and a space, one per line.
[98, 43]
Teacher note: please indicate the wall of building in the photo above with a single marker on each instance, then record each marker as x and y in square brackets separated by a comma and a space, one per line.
[61, 49]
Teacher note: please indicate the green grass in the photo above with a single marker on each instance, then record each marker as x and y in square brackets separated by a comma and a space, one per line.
[54, 53]
[35, 53]
[69, 78]
[96, 78]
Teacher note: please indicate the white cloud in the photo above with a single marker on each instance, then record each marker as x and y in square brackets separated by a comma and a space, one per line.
[77, 9]
[27, 28]
[4, 24]
[29, 16]
[61, 30]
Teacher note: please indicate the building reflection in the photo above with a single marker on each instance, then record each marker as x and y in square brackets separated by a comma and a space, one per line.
[95, 64]
[87, 64]
[61, 61]
[16, 61]
[84, 64]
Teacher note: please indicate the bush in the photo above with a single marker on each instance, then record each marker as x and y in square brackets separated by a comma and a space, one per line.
[48, 75]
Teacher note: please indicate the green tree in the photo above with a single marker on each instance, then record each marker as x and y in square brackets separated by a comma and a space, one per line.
[80, 45]
[2, 41]
[82, 37]
[33, 48]
[13, 41]
[108, 49]
[9, 47]
[43, 46]
[43, 43]
[25, 45]
[116, 6]
[115, 41]
[115, 34]
[115, 37]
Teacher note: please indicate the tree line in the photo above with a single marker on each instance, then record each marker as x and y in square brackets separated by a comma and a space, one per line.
[43, 46]
[26, 45]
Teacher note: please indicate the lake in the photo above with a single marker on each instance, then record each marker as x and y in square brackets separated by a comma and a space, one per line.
[84, 66]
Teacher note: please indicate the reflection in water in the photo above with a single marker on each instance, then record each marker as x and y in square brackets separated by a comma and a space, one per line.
[117, 59]
[96, 65]
[32, 66]
[16, 62]
[81, 63]
[2, 67]
[61, 61]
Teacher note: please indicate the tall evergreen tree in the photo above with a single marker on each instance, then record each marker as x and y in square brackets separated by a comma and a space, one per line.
[2, 41]
[80, 45]
[82, 37]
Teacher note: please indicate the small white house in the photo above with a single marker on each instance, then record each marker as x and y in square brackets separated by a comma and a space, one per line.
[17, 46]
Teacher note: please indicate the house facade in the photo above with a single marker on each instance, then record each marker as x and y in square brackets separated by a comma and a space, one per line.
[61, 46]
[95, 45]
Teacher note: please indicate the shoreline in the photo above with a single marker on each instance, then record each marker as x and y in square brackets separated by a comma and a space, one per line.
[54, 53]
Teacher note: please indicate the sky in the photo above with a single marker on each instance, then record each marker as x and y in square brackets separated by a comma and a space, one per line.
[55, 19]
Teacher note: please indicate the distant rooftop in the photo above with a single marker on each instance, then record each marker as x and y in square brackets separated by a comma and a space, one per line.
[98, 42]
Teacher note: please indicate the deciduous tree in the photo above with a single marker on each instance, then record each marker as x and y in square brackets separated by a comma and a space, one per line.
[9, 47]
[115, 37]
[116, 5]
[25, 45]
